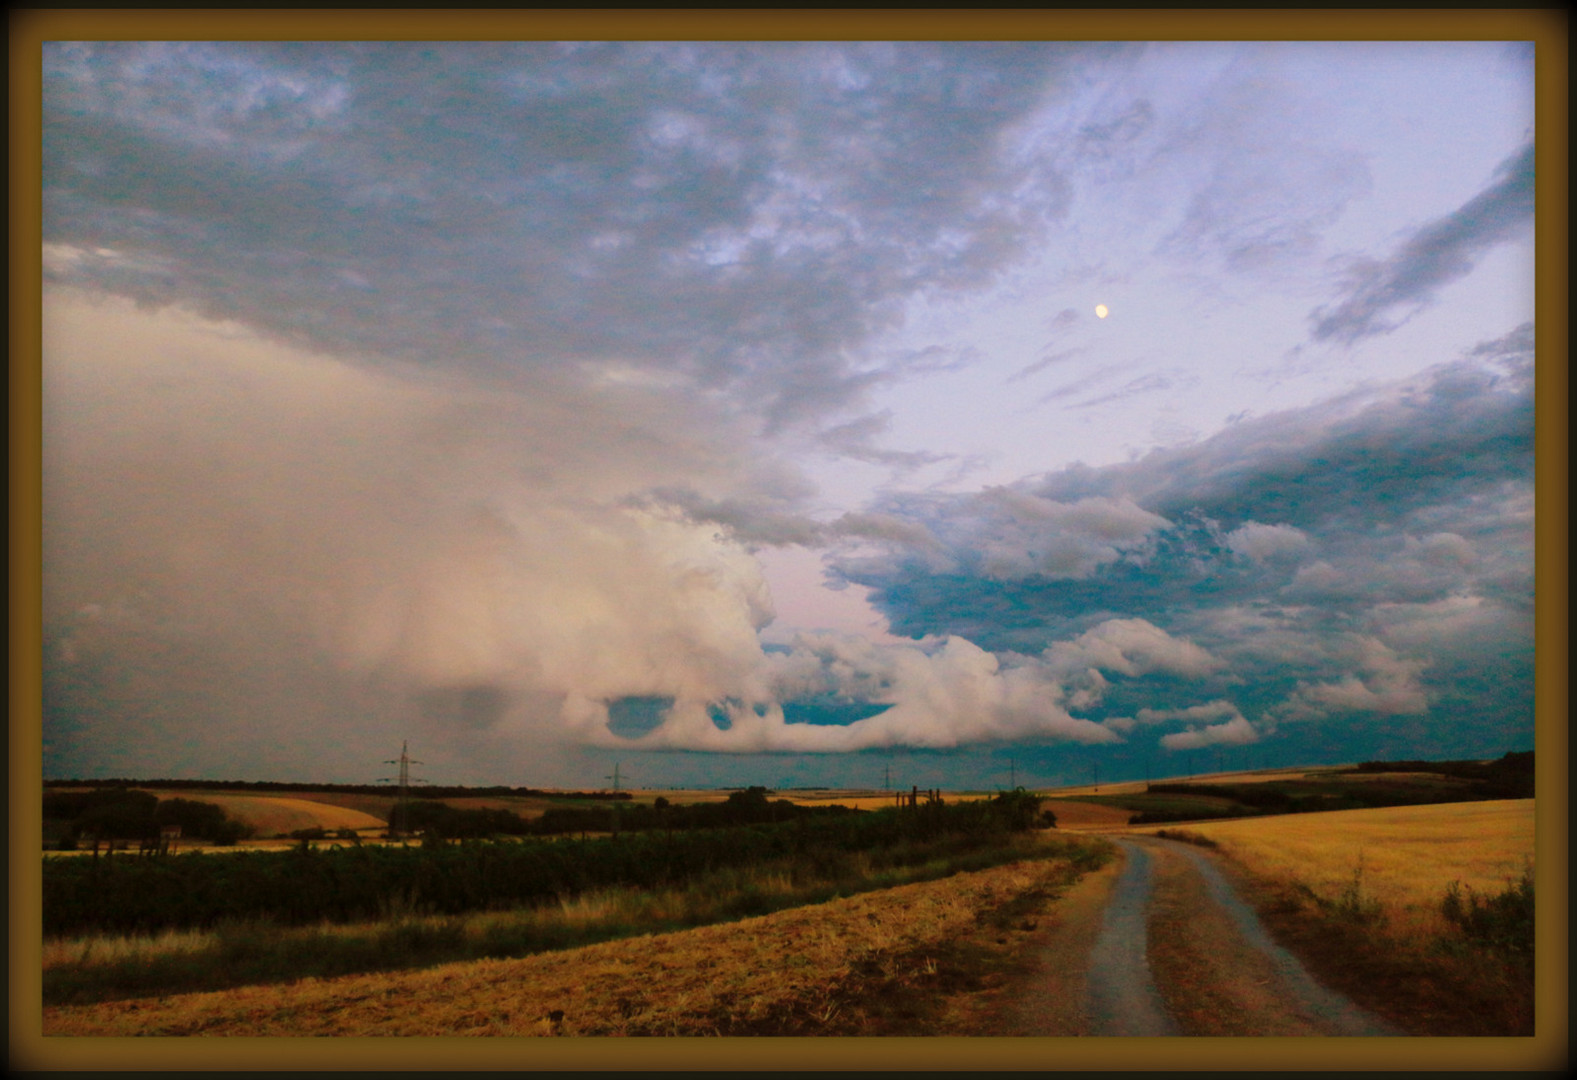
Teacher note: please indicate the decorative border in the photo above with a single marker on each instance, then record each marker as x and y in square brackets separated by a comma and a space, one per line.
[1547, 1050]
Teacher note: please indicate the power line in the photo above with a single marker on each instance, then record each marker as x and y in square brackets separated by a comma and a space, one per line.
[404, 761]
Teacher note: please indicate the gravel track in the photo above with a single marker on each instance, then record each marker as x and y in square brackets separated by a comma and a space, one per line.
[1333, 1013]
[1122, 997]
[1264, 988]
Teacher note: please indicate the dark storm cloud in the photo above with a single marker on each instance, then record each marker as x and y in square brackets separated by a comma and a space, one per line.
[417, 390]
[733, 215]
[1372, 555]
[1439, 253]
[1379, 488]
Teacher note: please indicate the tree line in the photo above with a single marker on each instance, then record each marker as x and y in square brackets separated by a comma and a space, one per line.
[426, 791]
[122, 814]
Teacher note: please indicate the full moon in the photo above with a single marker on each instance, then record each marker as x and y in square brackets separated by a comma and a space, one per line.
[1100, 310]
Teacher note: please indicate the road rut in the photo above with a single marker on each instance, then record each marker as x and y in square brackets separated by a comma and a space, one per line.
[1122, 996]
[1166, 946]
[1281, 997]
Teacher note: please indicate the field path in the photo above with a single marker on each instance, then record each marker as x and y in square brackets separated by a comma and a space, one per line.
[1166, 946]
[1269, 991]
[1122, 997]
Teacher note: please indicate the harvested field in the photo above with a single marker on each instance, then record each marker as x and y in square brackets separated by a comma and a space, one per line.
[1127, 787]
[1076, 816]
[803, 971]
[1437, 779]
[1408, 854]
[1259, 777]
[270, 814]
[378, 806]
[527, 807]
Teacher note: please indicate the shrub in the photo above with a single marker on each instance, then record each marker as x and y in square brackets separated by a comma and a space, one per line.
[1503, 921]
[117, 813]
[229, 831]
[1017, 809]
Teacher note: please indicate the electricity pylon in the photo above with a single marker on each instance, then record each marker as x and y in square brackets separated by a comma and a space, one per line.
[404, 761]
[615, 809]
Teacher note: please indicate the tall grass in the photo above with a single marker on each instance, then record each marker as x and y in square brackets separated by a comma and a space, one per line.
[1500, 921]
[862, 965]
[1397, 908]
[239, 952]
[1355, 903]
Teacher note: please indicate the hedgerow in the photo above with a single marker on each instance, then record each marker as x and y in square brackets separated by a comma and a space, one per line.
[128, 894]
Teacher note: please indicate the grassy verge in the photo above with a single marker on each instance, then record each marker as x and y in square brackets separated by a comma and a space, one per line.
[241, 953]
[1365, 899]
[1453, 982]
[952, 986]
[825, 969]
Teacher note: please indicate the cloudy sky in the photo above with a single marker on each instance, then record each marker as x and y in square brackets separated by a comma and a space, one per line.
[786, 414]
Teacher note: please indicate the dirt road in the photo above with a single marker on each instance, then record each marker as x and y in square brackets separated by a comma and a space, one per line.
[1164, 945]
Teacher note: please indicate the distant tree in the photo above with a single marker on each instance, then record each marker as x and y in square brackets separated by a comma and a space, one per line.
[196, 819]
[119, 814]
[1017, 809]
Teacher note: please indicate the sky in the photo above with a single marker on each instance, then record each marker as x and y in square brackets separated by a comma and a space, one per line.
[825, 414]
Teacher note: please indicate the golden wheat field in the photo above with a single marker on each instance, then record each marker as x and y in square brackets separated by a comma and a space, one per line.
[713, 979]
[270, 814]
[1407, 855]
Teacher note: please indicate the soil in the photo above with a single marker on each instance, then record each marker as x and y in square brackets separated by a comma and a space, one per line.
[1080, 816]
[1170, 918]
[1048, 998]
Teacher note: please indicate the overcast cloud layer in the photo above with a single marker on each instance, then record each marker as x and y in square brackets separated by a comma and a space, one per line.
[488, 396]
